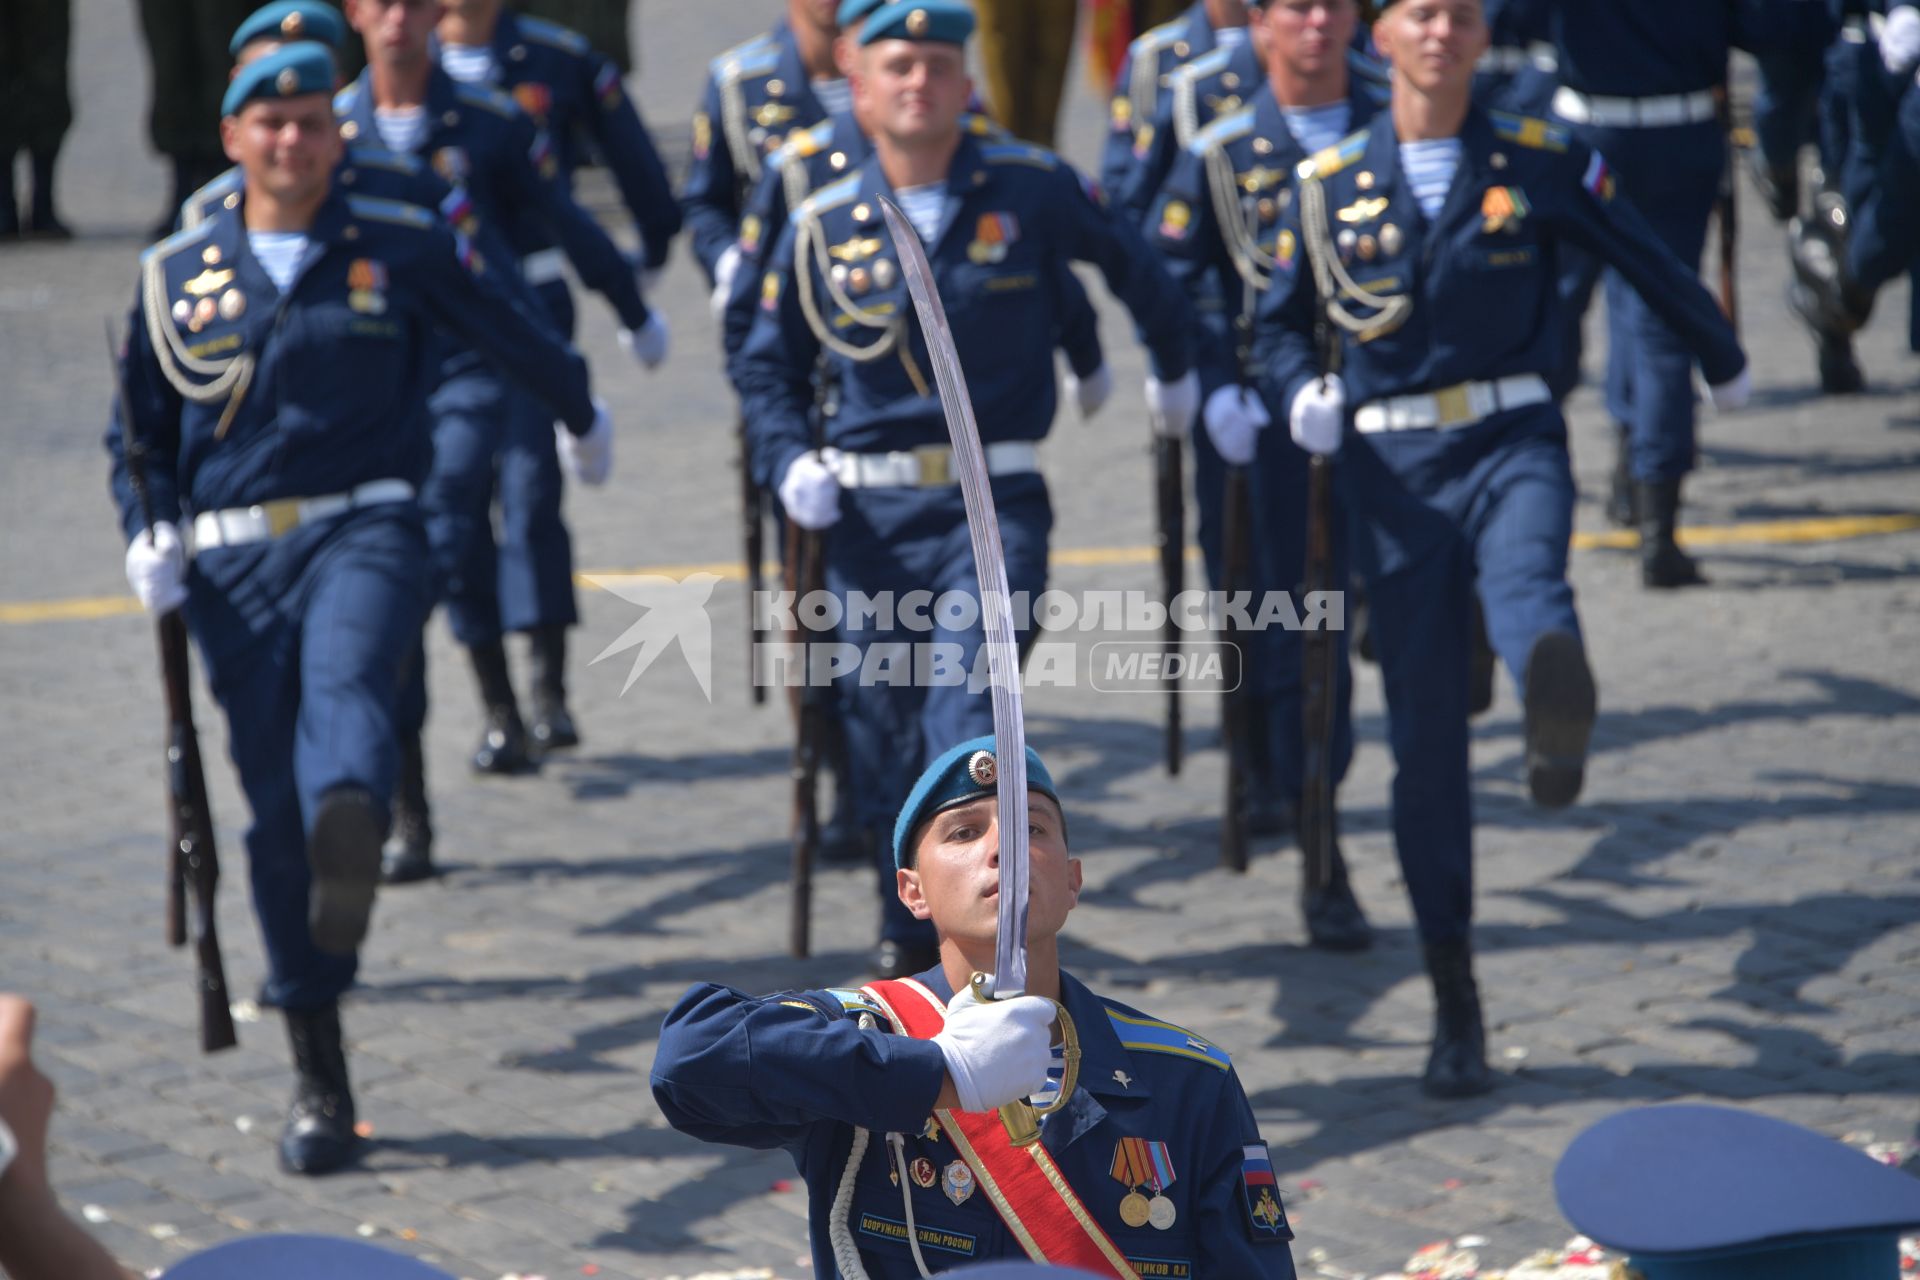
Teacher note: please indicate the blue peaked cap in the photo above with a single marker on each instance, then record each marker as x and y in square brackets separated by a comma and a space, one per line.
[287, 72]
[957, 777]
[292, 20]
[943, 21]
[1710, 1193]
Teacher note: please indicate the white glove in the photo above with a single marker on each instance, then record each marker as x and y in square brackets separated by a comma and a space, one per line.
[649, 343]
[588, 458]
[723, 273]
[1319, 415]
[1171, 405]
[1734, 393]
[810, 492]
[1900, 39]
[157, 569]
[997, 1053]
[1234, 417]
[1089, 394]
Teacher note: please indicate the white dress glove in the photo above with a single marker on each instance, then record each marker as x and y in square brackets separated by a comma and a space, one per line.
[810, 492]
[723, 273]
[1089, 394]
[588, 458]
[1319, 415]
[157, 569]
[997, 1053]
[1234, 418]
[649, 343]
[1900, 40]
[1734, 393]
[1171, 405]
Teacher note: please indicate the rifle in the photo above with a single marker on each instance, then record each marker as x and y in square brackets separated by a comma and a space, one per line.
[1726, 211]
[1170, 500]
[1236, 573]
[193, 864]
[805, 563]
[1319, 669]
[753, 513]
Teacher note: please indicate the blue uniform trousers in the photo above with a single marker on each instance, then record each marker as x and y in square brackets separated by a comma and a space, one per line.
[536, 551]
[898, 541]
[1786, 104]
[1434, 512]
[309, 701]
[1672, 175]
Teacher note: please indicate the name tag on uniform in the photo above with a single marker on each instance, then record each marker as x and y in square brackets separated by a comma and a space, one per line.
[958, 1243]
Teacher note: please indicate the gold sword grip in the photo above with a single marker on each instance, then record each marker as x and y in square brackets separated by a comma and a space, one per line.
[1022, 1119]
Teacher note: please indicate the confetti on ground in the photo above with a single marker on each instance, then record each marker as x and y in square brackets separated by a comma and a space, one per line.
[364, 1128]
[591, 1269]
[243, 1123]
[1516, 1053]
[408, 1233]
[366, 1230]
[783, 1184]
[163, 1231]
[244, 1011]
[95, 1214]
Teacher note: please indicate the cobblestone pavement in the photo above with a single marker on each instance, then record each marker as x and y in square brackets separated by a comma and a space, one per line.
[1731, 913]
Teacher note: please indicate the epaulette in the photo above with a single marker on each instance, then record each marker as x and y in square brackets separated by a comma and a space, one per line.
[755, 57]
[477, 95]
[1144, 1035]
[831, 196]
[344, 99]
[1211, 63]
[806, 142]
[381, 158]
[1154, 39]
[555, 35]
[1019, 153]
[193, 210]
[174, 243]
[397, 212]
[980, 126]
[1228, 128]
[1328, 161]
[1529, 131]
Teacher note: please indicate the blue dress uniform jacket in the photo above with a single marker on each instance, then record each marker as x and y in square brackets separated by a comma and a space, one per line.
[309, 393]
[1142, 87]
[756, 94]
[797, 1071]
[576, 95]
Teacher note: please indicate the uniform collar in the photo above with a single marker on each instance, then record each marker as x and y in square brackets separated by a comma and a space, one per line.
[442, 107]
[1382, 159]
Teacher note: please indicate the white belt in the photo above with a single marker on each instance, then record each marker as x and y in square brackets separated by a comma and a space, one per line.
[237, 526]
[925, 468]
[1512, 59]
[544, 267]
[1457, 406]
[1634, 113]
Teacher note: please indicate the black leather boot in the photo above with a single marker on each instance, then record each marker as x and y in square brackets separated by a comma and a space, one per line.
[344, 853]
[1839, 372]
[408, 855]
[551, 726]
[1561, 704]
[1457, 1063]
[1620, 485]
[503, 742]
[1332, 914]
[42, 222]
[1663, 565]
[319, 1136]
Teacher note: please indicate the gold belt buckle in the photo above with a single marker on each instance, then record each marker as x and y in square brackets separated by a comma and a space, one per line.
[1453, 405]
[282, 514]
[935, 463]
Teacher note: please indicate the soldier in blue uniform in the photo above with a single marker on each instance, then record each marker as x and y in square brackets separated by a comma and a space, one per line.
[276, 375]
[1000, 220]
[1215, 224]
[1426, 251]
[481, 139]
[1157, 1147]
[575, 95]
[756, 94]
[1143, 85]
[1691, 1192]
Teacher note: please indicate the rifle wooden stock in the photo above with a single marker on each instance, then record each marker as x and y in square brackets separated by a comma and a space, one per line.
[1170, 501]
[805, 572]
[1320, 674]
[1236, 575]
[753, 517]
[1727, 211]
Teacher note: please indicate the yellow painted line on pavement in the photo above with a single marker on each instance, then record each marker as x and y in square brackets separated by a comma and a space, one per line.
[1826, 529]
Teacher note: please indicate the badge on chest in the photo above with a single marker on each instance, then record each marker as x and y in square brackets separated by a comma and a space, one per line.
[993, 236]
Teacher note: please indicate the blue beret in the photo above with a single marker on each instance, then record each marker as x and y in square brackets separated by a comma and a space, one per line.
[851, 11]
[945, 21]
[292, 20]
[287, 72]
[300, 1258]
[1710, 1193]
[954, 779]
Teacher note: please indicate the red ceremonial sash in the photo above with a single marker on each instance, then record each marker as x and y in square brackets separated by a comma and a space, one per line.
[1026, 1187]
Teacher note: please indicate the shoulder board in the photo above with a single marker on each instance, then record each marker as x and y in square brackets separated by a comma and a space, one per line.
[1529, 131]
[831, 196]
[1328, 161]
[856, 1002]
[381, 158]
[475, 95]
[743, 62]
[397, 212]
[348, 95]
[1207, 64]
[802, 143]
[1154, 39]
[1144, 1035]
[541, 31]
[981, 126]
[1228, 128]
[175, 243]
[1019, 153]
[212, 192]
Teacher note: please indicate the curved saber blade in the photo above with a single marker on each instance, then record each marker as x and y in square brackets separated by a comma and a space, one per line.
[996, 605]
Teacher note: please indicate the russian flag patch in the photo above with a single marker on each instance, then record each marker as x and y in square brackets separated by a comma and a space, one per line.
[1264, 1213]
